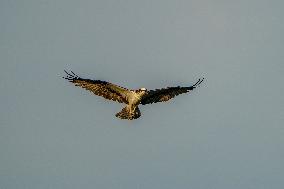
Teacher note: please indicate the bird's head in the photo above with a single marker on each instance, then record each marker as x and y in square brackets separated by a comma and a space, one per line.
[142, 90]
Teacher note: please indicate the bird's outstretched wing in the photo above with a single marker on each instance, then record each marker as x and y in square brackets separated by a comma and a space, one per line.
[101, 88]
[165, 94]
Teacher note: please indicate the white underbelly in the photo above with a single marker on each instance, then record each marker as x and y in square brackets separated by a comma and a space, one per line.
[134, 99]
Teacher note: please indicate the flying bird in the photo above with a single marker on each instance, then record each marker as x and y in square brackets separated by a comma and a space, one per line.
[132, 98]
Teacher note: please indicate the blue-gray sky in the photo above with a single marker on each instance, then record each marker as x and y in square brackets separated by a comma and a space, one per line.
[226, 134]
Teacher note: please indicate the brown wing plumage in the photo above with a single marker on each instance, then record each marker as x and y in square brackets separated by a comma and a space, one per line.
[165, 94]
[101, 88]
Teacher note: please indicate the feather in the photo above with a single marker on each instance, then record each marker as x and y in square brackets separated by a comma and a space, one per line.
[101, 88]
[165, 94]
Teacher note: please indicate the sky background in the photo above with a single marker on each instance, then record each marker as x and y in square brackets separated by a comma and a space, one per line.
[228, 133]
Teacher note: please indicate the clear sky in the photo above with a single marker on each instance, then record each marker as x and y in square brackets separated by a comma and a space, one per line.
[228, 133]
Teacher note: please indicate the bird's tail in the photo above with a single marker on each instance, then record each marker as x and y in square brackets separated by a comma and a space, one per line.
[129, 112]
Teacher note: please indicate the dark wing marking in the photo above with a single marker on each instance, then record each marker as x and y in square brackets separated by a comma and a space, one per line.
[165, 94]
[101, 88]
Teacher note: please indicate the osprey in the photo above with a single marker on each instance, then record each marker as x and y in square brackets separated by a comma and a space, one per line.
[132, 98]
